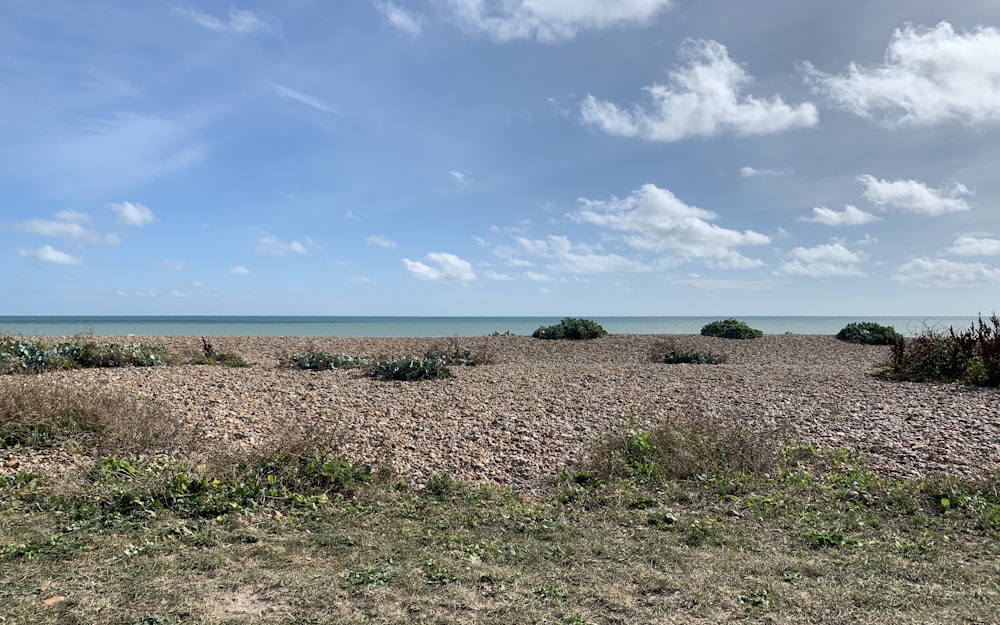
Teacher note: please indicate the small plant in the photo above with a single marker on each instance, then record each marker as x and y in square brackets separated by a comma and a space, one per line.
[19, 356]
[409, 369]
[730, 329]
[667, 352]
[968, 357]
[454, 353]
[321, 361]
[571, 328]
[211, 356]
[868, 333]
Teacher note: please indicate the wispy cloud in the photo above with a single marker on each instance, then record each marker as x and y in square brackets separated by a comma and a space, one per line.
[130, 214]
[752, 172]
[273, 246]
[459, 175]
[447, 268]
[915, 196]
[303, 98]
[238, 270]
[381, 241]
[400, 18]
[703, 98]
[68, 225]
[930, 76]
[49, 254]
[850, 216]
[938, 272]
[236, 21]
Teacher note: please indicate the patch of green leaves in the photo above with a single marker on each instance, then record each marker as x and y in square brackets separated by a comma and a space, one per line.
[572, 329]
[869, 333]
[730, 329]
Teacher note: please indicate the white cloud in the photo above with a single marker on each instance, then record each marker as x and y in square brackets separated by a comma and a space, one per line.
[576, 258]
[273, 246]
[381, 241]
[664, 223]
[975, 246]
[702, 99]
[752, 172]
[850, 216]
[930, 76]
[449, 268]
[69, 225]
[400, 18]
[239, 270]
[458, 175]
[236, 22]
[130, 214]
[549, 20]
[303, 98]
[500, 277]
[823, 261]
[715, 284]
[915, 196]
[536, 276]
[940, 272]
[49, 254]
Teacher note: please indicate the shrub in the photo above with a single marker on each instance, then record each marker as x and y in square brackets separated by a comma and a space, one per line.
[731, 329]
[667, 352]
[211, 356]
[321, 361]
[409, 369]
[455, 354]
[969, 357]
[570, 328]
[18, 356]
[869, 333]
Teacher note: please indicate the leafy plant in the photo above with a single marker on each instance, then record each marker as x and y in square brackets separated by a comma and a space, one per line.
[211, 356]
[692, 357]
[409, 369]
[868, 333]
[730, 329]
[321, 361]
[19, 356]
[968, 357]
[454, 353]
[571, 328]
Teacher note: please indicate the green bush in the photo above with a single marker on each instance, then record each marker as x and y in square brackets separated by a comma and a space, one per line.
[570, 328]
[19, 356]
[409, 369]
[321, 361]
[692, 357]
[968, 357]
[731, 329]
[869, 333]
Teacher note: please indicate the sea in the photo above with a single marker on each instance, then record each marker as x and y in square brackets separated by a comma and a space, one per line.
[347, 326]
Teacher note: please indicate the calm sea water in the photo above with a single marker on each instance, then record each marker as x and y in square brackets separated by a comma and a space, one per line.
[428, 326]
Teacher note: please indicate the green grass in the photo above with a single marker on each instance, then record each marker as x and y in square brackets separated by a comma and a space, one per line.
[693, 520]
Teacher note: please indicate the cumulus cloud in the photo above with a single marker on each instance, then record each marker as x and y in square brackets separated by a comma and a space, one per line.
[304, 98]
[130, 214]
[929, 76]
[443, 267]
[273, 246]
[68, 224]
[381, 241]
[850, 216]
[549, 21]
[657, 220]
[237, 21]
[400, 18]
[49, 254]
[822, 261]
[703, 98]
[915, 196]
[577, 258]
[928, 272]
[975, 246]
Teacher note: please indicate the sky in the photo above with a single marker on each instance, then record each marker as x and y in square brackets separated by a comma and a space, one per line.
[499, 157]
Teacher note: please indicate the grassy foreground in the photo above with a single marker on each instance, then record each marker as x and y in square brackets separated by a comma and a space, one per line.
[694, 522]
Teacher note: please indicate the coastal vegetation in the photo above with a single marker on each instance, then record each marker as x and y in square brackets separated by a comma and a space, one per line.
[868, 333]
[731, 329]
[21, 356]
[970, 356]
[693, 518]
[668, 352]
[571, 328]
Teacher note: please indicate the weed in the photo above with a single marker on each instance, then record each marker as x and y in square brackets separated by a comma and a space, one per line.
[969, 357]
[211, 356]
[454, 353]
[730, 329]
[571, 328]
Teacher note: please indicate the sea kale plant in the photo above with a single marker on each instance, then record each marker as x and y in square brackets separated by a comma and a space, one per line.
[668, 352]
[730, 329]
[571, 328]
[20, 356]
[869, 333]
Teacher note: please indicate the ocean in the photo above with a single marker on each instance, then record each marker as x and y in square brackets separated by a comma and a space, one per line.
[39, 326]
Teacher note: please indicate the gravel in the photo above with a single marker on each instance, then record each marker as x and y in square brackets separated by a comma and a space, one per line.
[542, 406]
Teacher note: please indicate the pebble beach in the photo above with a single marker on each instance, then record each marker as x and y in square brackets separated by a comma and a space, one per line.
[541, 406]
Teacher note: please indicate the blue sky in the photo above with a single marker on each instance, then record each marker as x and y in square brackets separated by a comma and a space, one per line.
[484, 157]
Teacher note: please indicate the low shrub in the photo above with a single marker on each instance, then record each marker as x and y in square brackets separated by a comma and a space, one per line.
[968, 357]
[454, 353]
[211, 356]
[571, 328]
[19, 356]
[868, 333]
[321, 361]
[667, 352]
[730, 329]
[409, 369]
